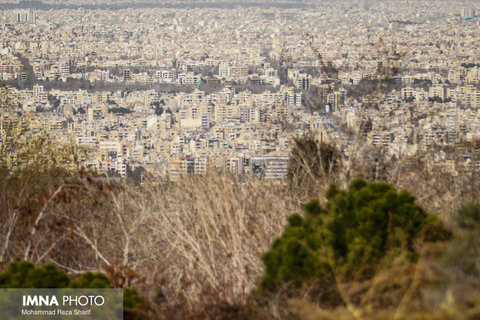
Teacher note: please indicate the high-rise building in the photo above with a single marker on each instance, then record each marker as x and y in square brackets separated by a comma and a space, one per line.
[467, 13]
[303, 81]
[24, 16]
[127, 75]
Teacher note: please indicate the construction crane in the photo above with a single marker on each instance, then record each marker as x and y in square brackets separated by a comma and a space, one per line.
[326, 69]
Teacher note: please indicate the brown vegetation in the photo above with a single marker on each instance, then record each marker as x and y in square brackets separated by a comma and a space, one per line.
[191, 243]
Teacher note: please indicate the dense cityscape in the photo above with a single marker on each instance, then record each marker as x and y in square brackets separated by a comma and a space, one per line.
[178, 91]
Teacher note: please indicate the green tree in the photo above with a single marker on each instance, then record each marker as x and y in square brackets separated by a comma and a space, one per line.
[360, 230]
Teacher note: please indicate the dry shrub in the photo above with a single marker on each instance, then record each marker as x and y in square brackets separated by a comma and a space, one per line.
[191, 243]
[214, 229]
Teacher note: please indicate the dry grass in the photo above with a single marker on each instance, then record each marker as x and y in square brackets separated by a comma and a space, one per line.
[194, 242]
[214, 230]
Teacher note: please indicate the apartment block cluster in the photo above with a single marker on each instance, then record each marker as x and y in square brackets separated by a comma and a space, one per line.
[10, 67]
[184, 91]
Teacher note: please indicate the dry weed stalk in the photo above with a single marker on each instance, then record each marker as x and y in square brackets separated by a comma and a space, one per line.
[195, 241]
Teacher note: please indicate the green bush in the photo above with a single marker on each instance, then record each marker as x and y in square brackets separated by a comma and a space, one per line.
[24, 275]
[91, 280]
[360, 230]
[132, 303]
